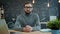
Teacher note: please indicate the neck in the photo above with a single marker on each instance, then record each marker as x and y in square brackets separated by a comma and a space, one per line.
[27, 14]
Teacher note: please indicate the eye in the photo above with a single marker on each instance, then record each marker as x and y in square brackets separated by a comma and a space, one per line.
[28, 7]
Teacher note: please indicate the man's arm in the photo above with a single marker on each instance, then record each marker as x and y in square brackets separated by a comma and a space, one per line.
[37, 26]
[18, 24]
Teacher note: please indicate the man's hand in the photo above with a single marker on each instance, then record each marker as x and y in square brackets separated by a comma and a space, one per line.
[27, 28]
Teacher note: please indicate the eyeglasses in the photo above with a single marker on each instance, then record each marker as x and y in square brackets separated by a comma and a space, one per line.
[28, 7]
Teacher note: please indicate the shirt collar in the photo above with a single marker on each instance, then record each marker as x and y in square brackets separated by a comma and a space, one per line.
[28, 14]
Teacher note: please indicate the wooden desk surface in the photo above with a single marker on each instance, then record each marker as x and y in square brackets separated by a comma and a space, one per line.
[36, 32]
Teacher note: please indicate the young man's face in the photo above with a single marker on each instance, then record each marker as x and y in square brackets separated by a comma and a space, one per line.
[28, 8]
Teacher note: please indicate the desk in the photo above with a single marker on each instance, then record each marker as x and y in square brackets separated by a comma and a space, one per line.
[36, 32]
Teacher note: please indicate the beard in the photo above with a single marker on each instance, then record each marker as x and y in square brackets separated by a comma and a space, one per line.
[28, 12]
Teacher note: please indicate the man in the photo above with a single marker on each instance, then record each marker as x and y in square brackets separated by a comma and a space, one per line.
[28, 21]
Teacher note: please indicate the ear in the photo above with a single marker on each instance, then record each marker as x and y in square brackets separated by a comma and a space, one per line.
[23, 8]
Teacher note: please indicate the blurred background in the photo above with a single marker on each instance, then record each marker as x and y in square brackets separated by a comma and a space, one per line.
[46, 9]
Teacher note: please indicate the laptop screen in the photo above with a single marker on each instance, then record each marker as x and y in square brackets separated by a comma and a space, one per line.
[3, 27]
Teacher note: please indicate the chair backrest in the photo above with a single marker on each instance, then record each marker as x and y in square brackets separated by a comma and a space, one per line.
[3, 27]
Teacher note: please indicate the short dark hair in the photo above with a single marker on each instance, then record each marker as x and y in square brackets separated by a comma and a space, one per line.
[27, 3]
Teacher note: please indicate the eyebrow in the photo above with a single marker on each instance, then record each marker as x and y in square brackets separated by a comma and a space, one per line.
[28, 7]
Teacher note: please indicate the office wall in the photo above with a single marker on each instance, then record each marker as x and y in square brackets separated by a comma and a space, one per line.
[15, 7]
[59, 10]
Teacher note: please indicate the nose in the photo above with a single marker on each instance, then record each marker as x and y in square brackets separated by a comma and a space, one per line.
[28, 9]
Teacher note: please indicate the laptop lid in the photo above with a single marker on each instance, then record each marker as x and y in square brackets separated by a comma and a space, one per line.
[3, 27]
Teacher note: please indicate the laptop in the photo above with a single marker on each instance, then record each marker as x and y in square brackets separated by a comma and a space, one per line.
[4, 28]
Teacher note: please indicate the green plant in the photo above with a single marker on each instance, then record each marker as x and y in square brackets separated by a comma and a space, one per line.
[54, 24]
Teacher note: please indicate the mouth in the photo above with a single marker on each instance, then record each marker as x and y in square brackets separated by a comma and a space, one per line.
[27, 11]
